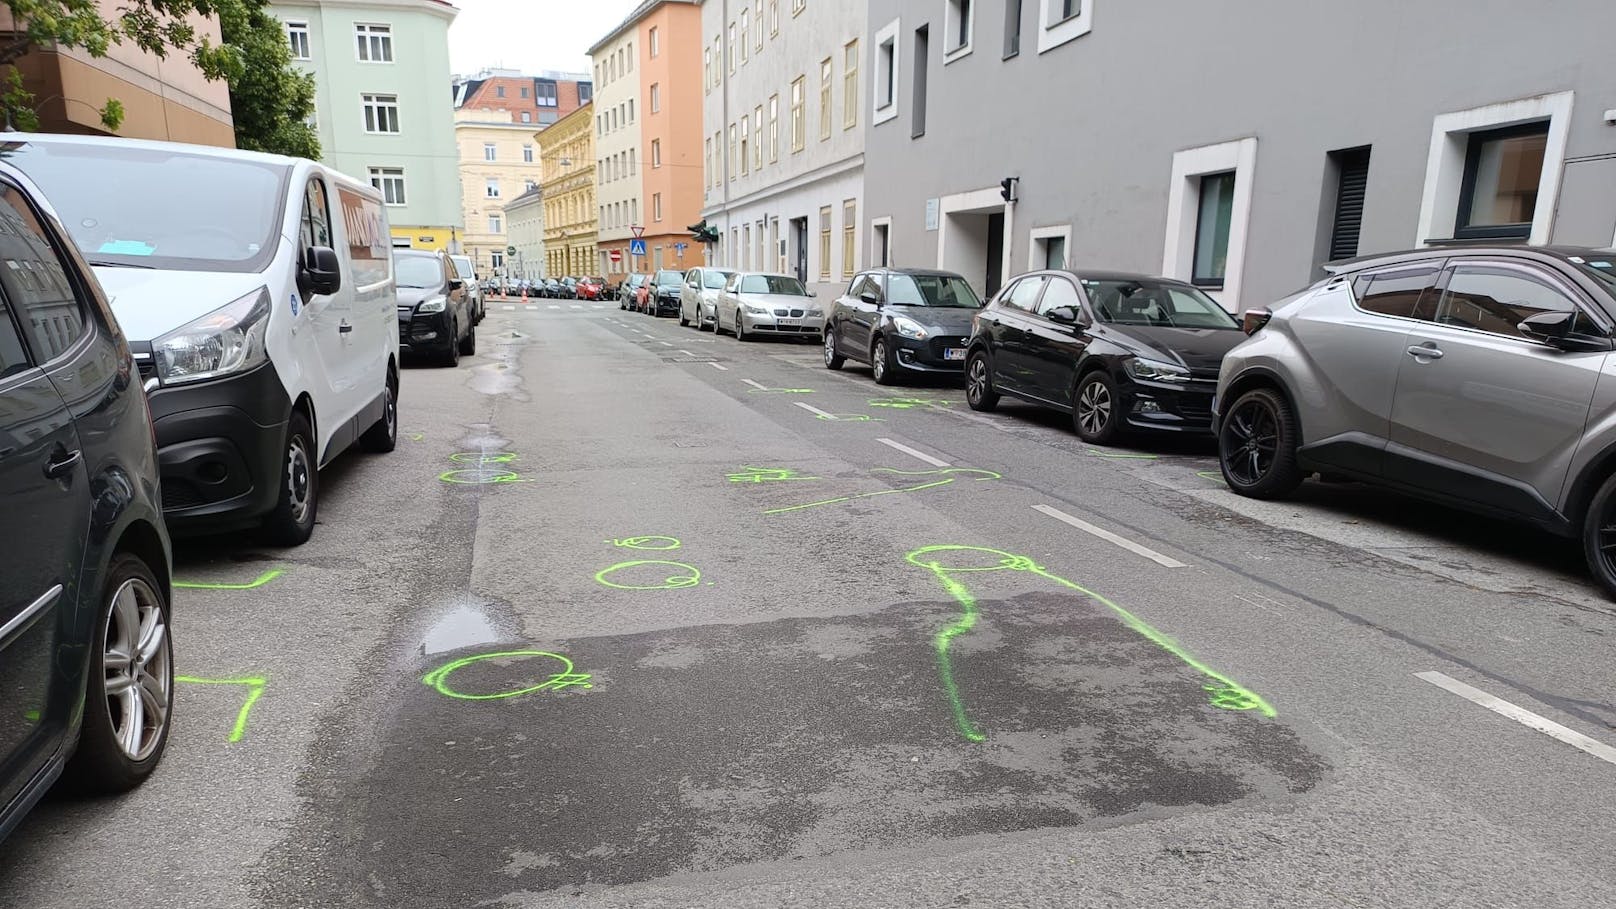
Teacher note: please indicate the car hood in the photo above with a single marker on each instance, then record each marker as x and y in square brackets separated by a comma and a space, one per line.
[772, 301]
[408, 297]
[1200, 350]
[150, 302]
[939, 320]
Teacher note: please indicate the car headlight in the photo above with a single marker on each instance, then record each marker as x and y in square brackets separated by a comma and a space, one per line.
[432, 304]
[908, 328]
[1155, 370]
[756, 310]
[815, 312]
[230, 339]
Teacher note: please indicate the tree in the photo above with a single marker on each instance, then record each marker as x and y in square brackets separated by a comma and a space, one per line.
[270, 98]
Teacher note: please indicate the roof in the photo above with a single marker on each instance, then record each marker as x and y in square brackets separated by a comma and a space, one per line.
[1346, 266]
[213, 151]
[640, 12]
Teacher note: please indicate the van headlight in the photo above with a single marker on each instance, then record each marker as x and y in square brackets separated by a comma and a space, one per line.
[1155, 370]
[228, 340]
[432, 304]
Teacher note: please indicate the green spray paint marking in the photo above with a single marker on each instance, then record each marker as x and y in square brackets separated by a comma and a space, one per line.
[683, 576]
[482, 474]
[259, 581]
[1213, 475]
[566, 678]
[946, 473]
[781, 391]
[417, 436]
[648, 542]
[1123, 455]
[31, 716]
[255, 690]
[766, 475]
[909, 403]
[1223, 692]
[848, 418]
[483, 457]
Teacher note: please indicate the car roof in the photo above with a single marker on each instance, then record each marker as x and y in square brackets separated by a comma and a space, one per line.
[939, 272]
[1085, 274]
[117, 143]
[1468, 250]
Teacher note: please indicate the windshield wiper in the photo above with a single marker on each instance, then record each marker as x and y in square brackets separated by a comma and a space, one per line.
[107, 263]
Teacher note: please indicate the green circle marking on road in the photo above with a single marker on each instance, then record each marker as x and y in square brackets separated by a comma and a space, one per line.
[653, 541]
[480, 476]
[683, 576]
[483, 457]
[566, 678]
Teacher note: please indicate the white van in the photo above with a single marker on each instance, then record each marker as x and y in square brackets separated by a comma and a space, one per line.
[257, 293]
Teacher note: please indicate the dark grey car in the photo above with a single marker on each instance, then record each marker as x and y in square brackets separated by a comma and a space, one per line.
[902, 321]
[435, 318]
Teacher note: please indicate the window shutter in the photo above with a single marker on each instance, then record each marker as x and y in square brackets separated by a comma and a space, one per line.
[1349, 202]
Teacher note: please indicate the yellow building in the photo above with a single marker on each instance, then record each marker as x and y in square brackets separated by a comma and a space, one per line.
[499, 160]
[567, 148]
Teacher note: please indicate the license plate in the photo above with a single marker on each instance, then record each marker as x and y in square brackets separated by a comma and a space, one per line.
[789, 321]
[953, 353]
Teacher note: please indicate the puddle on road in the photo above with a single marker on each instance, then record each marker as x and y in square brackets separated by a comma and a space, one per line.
[465, 624]
[502, 376]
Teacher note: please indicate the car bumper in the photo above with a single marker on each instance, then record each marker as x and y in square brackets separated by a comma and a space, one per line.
[219, 448]
[927, 354]
[668, 305]
[770, 324]
[1159, 407]
[430, 333]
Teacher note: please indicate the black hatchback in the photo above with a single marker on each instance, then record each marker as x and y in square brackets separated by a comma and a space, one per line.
[86, 663]
[1118, 351]
[902, 321]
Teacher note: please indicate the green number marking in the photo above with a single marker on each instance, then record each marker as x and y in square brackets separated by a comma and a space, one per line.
[1224, 692]
[766, 475]
[946, 473]
[566, 678]
[781, 391]
[683, 576]
[259, 581]
[848, 418]
[255, 690]
[647, 542]
[909, 403]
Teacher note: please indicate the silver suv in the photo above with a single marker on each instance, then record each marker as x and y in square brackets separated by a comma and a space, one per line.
[1474, 377]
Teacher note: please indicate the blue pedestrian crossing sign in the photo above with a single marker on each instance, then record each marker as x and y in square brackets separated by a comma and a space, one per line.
[636, 247]
[681, 247]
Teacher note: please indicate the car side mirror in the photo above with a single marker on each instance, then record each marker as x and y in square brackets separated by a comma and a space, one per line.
[1065, 315]
[456, 284]
[322, 270]
[1252, 320]
[867, 297]
[1555, 330]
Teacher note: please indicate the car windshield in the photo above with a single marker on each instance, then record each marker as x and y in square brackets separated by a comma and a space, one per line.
[783, 285]
[152, 208]
[418, 271]
[1132, 302]
[947, 291]
[669, 278]
[714, 279]
[462, 265]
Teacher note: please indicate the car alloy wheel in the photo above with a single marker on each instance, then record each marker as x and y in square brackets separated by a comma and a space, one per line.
[1094, 406]
[833, 360]
[137, 672]
[1250, 441]
[979, 392]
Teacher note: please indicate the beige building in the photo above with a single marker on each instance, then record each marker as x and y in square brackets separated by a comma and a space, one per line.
[499, 160]
[524, 229]
[570, 225]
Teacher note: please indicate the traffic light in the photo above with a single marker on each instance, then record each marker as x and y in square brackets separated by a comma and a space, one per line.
[1007, 188]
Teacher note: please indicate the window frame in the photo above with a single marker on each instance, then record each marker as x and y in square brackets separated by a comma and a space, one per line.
[849, 236]
[1463, 228]
[827, 98]
[850, 75]
[799, 113]
[365, 32]
[383, 174]
[1053, 33]
[1210, 282]
[297, 26]
[886, 77]
[1183, 208]
[490, 151]
[959, 29]
[371, 106]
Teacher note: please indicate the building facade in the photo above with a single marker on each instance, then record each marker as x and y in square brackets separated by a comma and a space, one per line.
[783, 144]
[1242, 169]
[649, 130]
[163, 98]
[499, 160]
[536, 101]
[567, 150]
[381, 71]
[524, 224]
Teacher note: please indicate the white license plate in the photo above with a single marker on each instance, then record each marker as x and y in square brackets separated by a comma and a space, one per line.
[953, 353]
[789, 321]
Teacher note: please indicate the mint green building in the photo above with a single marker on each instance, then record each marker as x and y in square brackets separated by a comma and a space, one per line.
[382, 105]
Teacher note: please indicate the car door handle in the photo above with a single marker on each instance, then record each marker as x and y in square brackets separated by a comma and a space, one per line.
[61, 463]
[1431, 352]
[344, 328]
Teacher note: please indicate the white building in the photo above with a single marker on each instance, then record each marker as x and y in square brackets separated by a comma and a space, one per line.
[783, 125]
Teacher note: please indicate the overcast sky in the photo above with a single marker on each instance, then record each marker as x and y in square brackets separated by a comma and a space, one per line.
[530, 35]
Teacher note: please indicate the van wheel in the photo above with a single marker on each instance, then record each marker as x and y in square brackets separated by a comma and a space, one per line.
[129, 694]
[382, 436]
[1257, 446]
[468, 344]
[292, 521]
[1599, 536]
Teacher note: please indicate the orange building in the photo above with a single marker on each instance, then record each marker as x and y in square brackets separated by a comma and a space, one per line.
[648, 79]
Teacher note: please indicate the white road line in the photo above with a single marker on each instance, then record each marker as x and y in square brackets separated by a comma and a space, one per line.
[812, 409]
[1109, 537]
[686, 352]
[910, 451]
[508, 308]
[553, 306]
[1521, 715]
[666, 343]
[719, 366]
[755, 384]
[576, 306]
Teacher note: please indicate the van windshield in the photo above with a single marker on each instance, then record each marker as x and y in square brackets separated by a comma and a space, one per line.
[155, 208]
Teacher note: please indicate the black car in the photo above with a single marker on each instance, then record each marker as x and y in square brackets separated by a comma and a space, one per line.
[664, 296]
[1118, 351]
[626, 290]
[434, 311]
[902, 320]
[86, 662]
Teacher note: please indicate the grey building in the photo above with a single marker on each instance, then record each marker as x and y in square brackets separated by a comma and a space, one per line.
[1237, 144]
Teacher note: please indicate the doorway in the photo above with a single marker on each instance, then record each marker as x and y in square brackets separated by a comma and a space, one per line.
[972, 238]
[799, 248]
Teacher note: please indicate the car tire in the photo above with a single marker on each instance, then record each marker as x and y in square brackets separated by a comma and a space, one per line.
[451, 354]
[833, 360]
[1260, 421]
[1599, 536]
[718, 326]
[468, 344]
[291, 523]
[883, 368]
[134, 611]
[740, 329]
[1095, 413]
[979, 393]
[382, 436]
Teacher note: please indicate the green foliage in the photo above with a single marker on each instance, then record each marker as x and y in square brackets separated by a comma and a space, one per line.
[270, 98]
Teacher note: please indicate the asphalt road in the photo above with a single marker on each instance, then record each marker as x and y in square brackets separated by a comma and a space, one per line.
[636, 616]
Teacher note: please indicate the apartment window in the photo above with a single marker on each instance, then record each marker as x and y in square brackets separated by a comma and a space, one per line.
[797, 6]
[746, 27]
[527, 117]
[850, 62]
[381, 113]
[849, 235]
[527, 154]
[1061, 10]
[390, 180]
[1048, 249]
[630, 55]
[656, 206]
[496, 259]
[525, 91]
[774, 128]
[545, 94]
[375, 43]
[1503, 169]
[824, 242]
[707, 69]
[734, 165]
[586, 93]
[490, 151]
[774, 17]
[1012, 28]
[298, 34]
[825, 104]
[799, 125]
[885, 100]
[757, 138]
[757, 31]
[495, 224]
[656, 46]
[630, 110]
[1061, 21]
[632, 156]
[1208, 209]
[746, 160]
[957, 29]
[731, 48]
[656, 152]
[656, 97]
[707, 158]
[491, 188]
[922, 46]
[499, 91]
[746, 247]
[1212, 224]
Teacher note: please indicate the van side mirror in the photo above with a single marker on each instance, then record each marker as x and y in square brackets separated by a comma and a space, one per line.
[322, 270]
